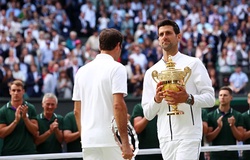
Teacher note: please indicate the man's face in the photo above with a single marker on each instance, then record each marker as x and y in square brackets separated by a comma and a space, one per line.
[167, 38]
[16, 92]
[225, 97]
[49, 105]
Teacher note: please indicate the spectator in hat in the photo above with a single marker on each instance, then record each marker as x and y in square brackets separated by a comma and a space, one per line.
[78, 52]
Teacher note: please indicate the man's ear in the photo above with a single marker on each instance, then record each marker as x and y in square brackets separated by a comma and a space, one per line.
[179, 36]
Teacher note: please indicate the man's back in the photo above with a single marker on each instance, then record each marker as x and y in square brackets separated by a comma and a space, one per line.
[102, 78]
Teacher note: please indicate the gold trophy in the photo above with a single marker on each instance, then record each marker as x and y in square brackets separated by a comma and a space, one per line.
[172, 77]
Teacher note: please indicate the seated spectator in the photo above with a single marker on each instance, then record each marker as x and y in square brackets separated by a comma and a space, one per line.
[115, 22]
[46, 54]
[34, 82]
[190, 49]
[238, 80]
[17, 73]
[48, 81]
[11, 59]
[223, 62]
[26, 56]
[127, 24]
[243, 57]
[83, 26]
[201, 50]
[70, 42]
[6, 82]
[137, 80]
[64, 85]
[2, 70]
[103, 21]
[78, 52]
[212, 74]
[93, 41]
[139, 57]
[230, 44]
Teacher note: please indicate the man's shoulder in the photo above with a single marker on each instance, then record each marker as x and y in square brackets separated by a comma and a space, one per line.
[213, 112]
[235, 112]
[4, 107]
[190, 58]
[246, 113]
[69, 115]
[58, 116]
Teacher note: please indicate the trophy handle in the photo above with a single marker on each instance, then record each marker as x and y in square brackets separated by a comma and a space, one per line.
[155, 76]
[187, 74]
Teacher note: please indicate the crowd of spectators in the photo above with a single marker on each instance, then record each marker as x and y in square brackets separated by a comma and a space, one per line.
[44, 42]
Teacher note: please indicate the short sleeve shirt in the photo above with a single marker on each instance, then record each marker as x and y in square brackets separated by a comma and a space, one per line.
[51, 144]
[20, 141]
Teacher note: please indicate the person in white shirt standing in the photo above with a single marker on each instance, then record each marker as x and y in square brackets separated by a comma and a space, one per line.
[179, 135]
[98, 95]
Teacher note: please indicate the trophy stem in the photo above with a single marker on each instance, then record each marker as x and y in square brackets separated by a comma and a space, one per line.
[175, 111]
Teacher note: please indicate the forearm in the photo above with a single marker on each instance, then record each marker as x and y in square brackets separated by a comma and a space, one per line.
[243, 86]
[77, 113]
[70, 137]
[120, 114]
[238, 134]
[246, 135]
[149, 105]
[59, 135]
[41, 138]
[140, 125]
[5, 131]
[212, 135]
[151, 109]
[31, 125]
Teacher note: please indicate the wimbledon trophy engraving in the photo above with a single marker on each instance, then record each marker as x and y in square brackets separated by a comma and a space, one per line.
[172, 77]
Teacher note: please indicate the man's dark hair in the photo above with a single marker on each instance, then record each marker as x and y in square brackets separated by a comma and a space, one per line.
[167, 22]
[109, 38]
[227, 89]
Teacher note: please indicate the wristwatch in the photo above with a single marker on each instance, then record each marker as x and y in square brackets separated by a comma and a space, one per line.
[189, 99]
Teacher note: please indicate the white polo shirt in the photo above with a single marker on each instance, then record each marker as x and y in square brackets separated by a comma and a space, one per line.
[95, 84]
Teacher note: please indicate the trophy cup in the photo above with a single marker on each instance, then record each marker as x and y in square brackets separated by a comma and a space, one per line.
[172, 77]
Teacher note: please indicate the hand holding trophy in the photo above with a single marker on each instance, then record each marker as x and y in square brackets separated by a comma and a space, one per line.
[171, 78]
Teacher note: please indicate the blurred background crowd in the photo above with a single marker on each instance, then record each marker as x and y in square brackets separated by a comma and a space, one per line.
[44, 42]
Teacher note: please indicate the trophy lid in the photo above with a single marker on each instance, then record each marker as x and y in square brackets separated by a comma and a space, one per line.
[171, 73]
[170, 63]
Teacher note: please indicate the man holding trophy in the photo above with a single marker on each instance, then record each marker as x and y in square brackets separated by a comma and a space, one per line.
[175, 89]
